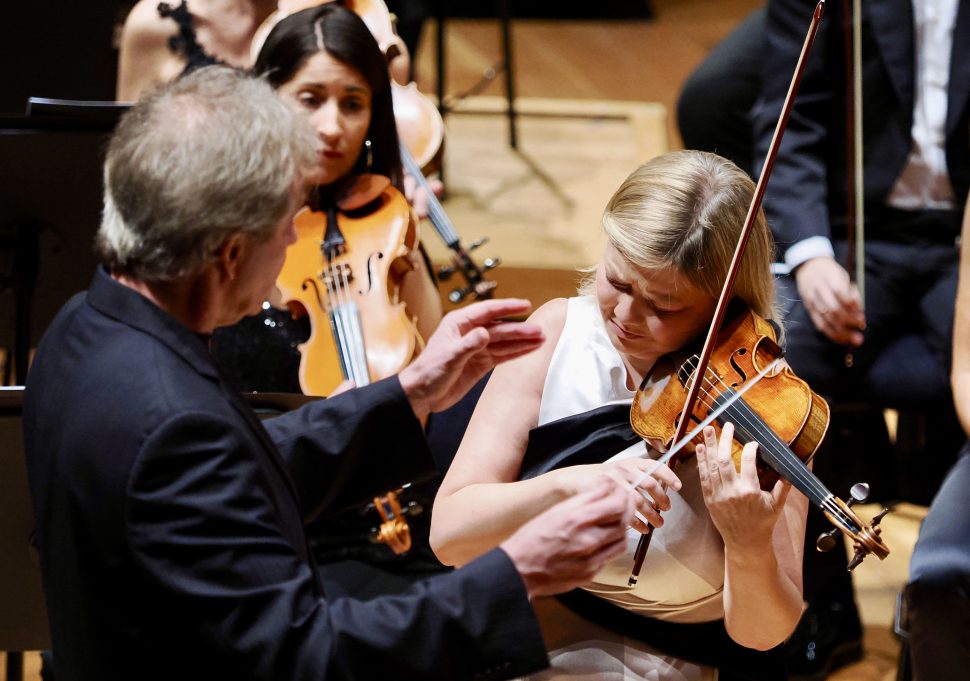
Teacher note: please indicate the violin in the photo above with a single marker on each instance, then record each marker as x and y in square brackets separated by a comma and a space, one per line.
[394, 530]
[747, 384]
[344, 271]
[729, 367]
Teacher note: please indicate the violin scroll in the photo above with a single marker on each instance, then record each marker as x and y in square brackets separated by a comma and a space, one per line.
[394, 530]
[476, 285]
[865, 538]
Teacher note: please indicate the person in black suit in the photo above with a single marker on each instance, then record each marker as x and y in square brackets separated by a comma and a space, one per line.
[916, 155]
[170, 520]
[715, 104]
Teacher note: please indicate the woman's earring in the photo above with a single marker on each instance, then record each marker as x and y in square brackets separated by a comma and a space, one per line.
[370, 153]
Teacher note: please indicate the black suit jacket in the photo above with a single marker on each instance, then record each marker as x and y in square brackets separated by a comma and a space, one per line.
[806, 195]
[170, 522]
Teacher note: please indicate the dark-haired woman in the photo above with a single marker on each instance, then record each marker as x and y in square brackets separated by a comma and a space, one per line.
[325, 62]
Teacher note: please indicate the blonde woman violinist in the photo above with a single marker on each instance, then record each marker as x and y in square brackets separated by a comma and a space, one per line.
[722, 579]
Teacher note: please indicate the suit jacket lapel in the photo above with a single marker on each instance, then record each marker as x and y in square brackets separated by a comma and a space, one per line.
[892, 26]
[959, 85]
[257, 429]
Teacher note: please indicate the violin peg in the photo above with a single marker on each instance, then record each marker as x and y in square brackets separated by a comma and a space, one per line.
[457, 295]
[857, 559]
[445, 272]
[826, 541]
[484, 289]
[878, 517]
[478, 242]
[492, 263]
[859, 492]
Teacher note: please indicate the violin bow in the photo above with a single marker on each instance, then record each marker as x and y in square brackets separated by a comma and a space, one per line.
[722, 303]
[855, 194]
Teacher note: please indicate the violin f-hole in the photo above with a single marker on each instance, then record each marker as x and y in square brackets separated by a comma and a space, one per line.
[371, 275]
[310, 283]
[743, 377]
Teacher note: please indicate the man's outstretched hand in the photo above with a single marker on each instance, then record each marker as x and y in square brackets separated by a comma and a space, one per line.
[467, 344]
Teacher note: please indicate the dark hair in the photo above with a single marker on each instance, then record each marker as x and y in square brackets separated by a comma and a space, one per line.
[346, 38]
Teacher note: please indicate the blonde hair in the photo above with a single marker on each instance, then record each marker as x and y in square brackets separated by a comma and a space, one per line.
[685, 210]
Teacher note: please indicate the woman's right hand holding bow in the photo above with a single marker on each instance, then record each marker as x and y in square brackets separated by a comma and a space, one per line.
[650, 494]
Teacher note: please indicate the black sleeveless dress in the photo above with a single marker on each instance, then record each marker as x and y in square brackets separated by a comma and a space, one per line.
[185, 42]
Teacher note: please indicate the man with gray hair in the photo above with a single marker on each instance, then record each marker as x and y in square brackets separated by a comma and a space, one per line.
[170, 519]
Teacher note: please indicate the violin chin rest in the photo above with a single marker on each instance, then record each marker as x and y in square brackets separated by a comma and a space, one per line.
[362, 191]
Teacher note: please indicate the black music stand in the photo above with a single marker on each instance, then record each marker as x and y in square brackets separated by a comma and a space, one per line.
[50, 207]
[504, 16]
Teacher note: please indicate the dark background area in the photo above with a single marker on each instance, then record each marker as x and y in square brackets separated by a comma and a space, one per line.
[50, 178]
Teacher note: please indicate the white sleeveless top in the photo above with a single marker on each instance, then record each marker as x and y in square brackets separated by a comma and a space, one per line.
[683, 575]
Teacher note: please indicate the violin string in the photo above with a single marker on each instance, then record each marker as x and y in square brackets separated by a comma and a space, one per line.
[347, 340]
[827, 504]
[712, 415]
[355, 333]
[338, 315]
[794, 469]
[336, 318]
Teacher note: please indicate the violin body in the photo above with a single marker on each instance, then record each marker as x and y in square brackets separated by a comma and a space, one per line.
[767, 403]
[746, 346]
[352, 296]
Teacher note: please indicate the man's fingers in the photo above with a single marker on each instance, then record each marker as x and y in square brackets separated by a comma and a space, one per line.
[502, 332]
[605, 552]
[486, 311]
[506, 351]
[471, 342]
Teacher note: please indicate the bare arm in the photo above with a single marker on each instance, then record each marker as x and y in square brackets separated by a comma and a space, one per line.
[144, 58]
[478, 504]
[481, 503]
[764, 535]
[960, 374]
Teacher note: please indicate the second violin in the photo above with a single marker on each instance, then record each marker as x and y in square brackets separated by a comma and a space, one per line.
[345, 272]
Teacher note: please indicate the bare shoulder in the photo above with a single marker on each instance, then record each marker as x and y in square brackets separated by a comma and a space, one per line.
[551, 316]
[526, 375]
[144, 57]
[145, 27]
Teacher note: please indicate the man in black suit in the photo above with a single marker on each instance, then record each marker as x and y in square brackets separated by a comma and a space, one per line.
[916, 151]
[170, 520]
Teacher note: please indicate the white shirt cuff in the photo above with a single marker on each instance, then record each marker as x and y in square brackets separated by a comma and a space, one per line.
[812, 247]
